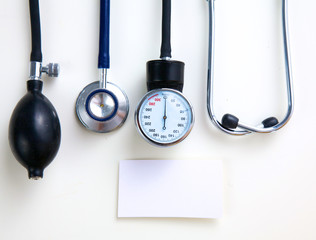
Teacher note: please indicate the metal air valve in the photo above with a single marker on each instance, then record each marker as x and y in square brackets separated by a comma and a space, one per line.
[36, 70]
[52, 69]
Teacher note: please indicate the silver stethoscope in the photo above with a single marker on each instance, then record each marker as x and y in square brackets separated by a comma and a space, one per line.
[103, 106]
[230, 124]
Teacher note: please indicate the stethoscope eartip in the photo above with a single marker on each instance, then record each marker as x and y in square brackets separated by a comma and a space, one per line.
[229, 121]
[270, 122]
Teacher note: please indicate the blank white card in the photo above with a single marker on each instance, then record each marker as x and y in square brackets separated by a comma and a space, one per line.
[170, 188]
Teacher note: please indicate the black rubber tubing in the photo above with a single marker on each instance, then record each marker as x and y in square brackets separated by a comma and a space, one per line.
[36, 54]
[165, 51]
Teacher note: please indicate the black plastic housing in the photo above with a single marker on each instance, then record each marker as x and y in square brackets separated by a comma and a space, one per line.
[34, 130]
[165, 74]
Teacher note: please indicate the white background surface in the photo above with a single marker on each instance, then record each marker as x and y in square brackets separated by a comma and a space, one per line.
[269, 180]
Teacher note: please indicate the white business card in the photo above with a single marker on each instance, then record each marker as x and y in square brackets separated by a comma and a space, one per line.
[170, 188]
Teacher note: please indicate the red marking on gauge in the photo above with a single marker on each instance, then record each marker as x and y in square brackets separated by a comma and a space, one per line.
[151, 104]
[152, 97]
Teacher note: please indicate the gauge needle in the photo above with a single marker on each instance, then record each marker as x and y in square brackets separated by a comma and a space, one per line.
[165, 114]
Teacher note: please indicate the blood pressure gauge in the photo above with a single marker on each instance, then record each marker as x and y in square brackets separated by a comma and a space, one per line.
[164, 117]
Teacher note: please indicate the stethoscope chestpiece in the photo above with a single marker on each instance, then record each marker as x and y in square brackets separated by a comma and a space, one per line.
[102, 106]
[102, 110]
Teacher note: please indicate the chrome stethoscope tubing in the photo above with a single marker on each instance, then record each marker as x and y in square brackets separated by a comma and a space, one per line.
[244, 128]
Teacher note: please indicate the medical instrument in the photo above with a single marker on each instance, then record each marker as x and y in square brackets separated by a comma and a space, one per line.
[230, 124]
[164, 117]
[34, 129]
[102, 106]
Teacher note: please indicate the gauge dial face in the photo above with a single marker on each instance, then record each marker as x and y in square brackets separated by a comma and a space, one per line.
[164, 117]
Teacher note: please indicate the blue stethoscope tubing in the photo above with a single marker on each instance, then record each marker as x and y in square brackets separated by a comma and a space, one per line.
[104, 41]
[242, 128]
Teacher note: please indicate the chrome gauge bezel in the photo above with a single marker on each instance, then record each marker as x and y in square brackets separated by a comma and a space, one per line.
[142, 132]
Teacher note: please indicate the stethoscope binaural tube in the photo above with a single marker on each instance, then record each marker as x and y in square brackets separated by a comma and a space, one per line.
[231, 124]
[102, 106]
[34, 129]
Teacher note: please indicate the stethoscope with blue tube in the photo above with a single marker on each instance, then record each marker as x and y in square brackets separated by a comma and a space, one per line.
[102, 106]
[230, 124]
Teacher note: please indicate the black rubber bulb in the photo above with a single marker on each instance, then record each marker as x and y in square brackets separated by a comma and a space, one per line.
[34, 131]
